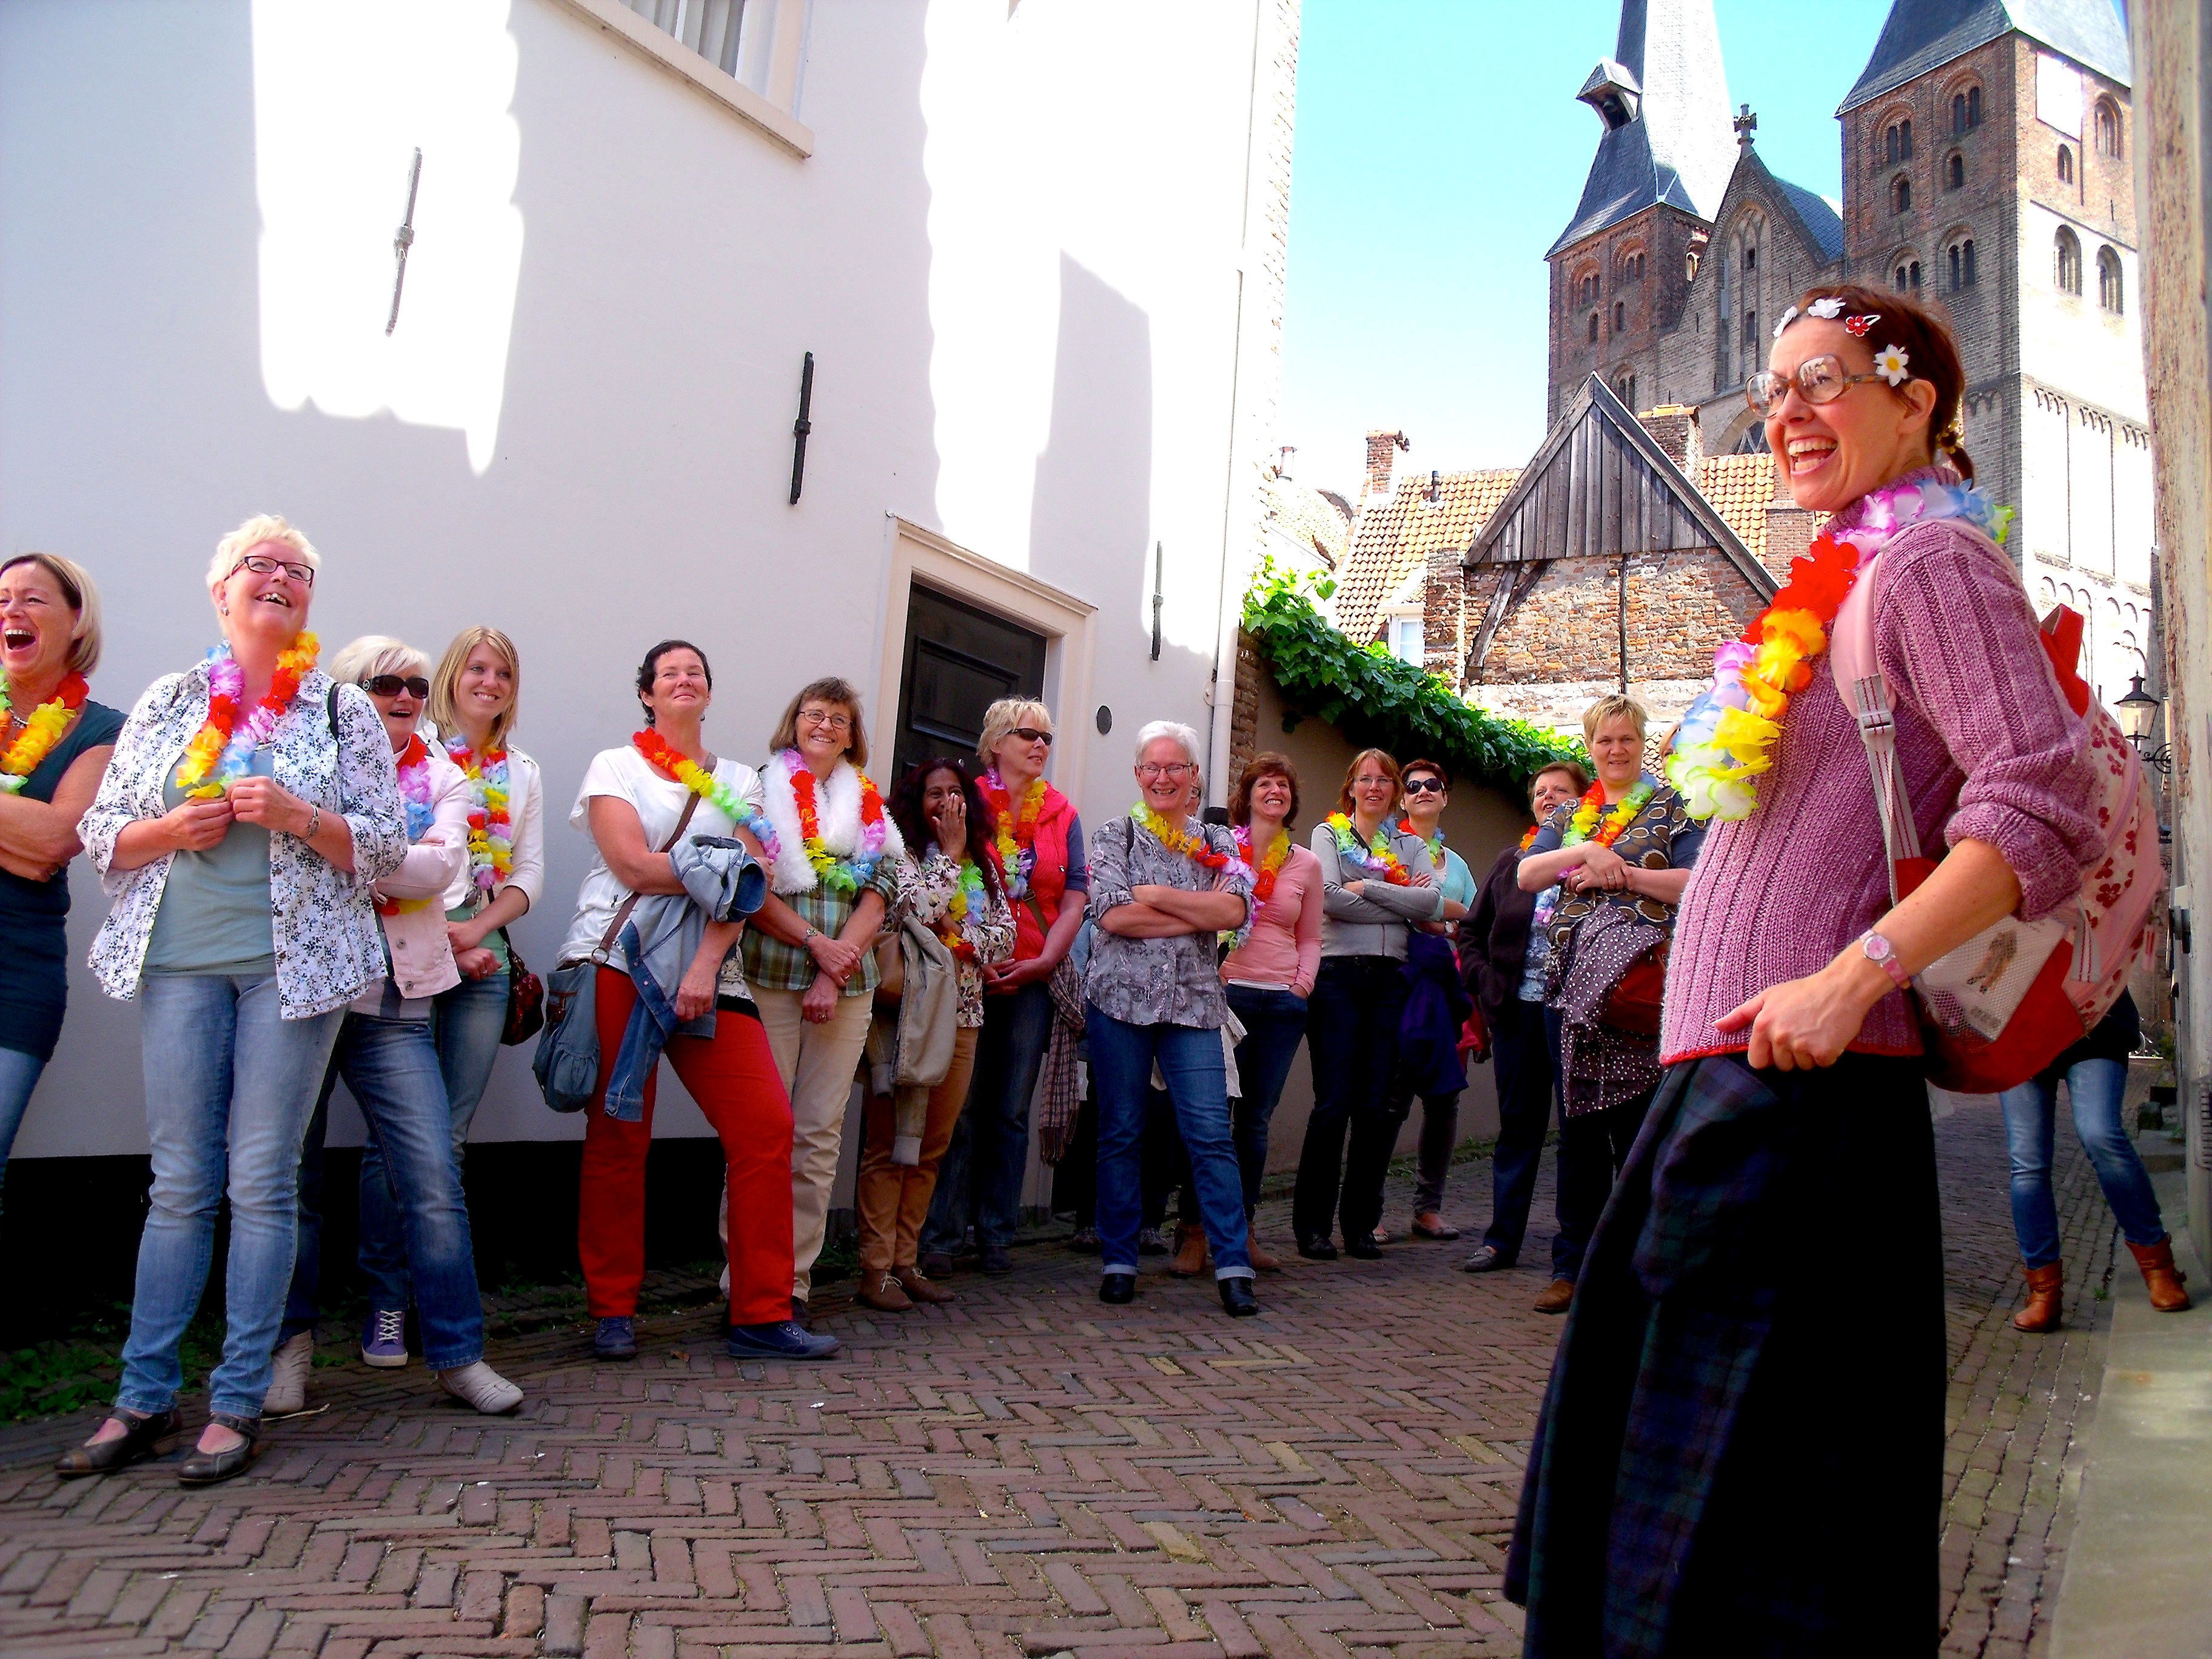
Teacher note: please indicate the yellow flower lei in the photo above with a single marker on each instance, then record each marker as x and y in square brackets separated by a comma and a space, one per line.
[42, 730]
[1586, 816]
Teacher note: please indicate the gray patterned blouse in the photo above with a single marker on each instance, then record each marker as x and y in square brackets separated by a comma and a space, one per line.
[1157, 981]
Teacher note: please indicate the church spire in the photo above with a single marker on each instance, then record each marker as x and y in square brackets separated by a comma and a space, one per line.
[1663, 99]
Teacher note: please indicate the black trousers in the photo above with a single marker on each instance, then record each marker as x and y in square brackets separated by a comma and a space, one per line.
[1526, 1069]
[1352, 1036]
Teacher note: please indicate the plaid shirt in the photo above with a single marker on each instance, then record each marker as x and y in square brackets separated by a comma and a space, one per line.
[772, 965]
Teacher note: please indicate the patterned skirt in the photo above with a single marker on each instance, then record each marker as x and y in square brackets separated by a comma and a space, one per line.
[1742, 1448]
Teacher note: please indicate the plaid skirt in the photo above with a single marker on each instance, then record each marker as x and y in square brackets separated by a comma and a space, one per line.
[1741, 1451]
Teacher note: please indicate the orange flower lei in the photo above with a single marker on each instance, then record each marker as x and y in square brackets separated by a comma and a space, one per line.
[1584, 825]
[1378, 860]
[1268, 865]
[1529, 835]
[224, 746]
[838, 875]
[43, 727]
[1014, 832]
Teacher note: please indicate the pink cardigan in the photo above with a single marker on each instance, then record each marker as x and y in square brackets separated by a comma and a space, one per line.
[1284, 947]
[421, 954]
[1990, 749]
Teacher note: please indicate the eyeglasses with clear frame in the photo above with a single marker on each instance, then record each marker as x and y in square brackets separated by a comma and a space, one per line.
[826, 719]
[1151, 769]
[262, 565]
[1819, 381]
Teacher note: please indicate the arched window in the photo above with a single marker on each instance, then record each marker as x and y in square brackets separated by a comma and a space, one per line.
[1973, 106]
[1750, 260]
[2112, 292]
[1593, 328]
[1904, 139]
[1900, 194]
[2069, 261]
[1621, 316]
[2065, 165]
[1891, 153]
[1962, 264]
[1954, 171]
[2108, 129]
[1906, 277]
[1624, 388]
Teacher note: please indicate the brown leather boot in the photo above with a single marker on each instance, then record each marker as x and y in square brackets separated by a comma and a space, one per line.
[2043, 1288]
[2162, 1278]
[1190, 1252]
[922, 1288]
[882, 1292]
[1263, 1259]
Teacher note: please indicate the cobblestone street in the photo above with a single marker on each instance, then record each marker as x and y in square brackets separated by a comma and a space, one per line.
[1022, 1473]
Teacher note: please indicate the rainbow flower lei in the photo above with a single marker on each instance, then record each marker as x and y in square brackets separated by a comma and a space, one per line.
[1529, 835]
[223, 749]
[1436, 842]
[413, 765]
[42, 730]
[967, 895]
[491, 831]
[1193, 845]
[845, 876]
[700, 782]
[1727, 737]
[1014, 832]
[1584, 825]
[1268, 866]
[1378, 860]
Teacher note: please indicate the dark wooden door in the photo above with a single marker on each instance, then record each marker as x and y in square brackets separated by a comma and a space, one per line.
[959, 661]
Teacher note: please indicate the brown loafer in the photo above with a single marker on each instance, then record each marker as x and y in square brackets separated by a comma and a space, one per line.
[1557, 1297]
[883, 1292]
[141, 1439]
[922, 1288]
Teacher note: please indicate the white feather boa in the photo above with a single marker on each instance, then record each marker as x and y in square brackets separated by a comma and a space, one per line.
[837, 815]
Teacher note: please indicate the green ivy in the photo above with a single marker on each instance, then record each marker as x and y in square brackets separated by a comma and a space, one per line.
[1378, 701]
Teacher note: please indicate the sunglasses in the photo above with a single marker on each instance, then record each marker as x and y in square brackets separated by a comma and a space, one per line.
[1030, 734]
[1819, 381]
[391, 685]
[1425, 786]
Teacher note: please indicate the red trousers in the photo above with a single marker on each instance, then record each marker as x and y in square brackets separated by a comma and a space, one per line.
[733, 1078]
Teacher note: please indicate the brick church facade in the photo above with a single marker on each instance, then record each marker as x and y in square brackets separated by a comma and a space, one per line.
[1986, 172]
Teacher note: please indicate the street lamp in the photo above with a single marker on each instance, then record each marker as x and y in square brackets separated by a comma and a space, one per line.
[2138, 715]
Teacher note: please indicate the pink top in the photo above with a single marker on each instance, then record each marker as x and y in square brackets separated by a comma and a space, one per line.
[1989, 752]
[1284, 947]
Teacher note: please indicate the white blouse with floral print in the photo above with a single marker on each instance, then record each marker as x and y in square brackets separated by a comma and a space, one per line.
[989, 927]
[328, 946]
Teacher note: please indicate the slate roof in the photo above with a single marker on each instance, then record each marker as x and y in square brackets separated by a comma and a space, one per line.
[1822, 223]
[1679, 148]
[1397, 536]
[1924, 35]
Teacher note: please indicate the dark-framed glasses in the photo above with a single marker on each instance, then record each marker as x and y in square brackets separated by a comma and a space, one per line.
[262, 565]
[391, 685]
[1819, 381]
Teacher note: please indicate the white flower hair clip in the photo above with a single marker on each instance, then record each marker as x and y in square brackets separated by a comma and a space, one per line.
[1890, 364]
[1827, 309]
[1787, 318]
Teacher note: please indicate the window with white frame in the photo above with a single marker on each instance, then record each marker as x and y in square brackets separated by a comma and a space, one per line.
[755, 42]
[1406, 641]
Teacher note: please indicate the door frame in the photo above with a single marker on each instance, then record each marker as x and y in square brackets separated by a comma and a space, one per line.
[1069, 625]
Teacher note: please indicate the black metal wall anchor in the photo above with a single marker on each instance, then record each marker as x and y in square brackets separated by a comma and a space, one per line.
[403, 241]
[800, 428]
[1159, 556]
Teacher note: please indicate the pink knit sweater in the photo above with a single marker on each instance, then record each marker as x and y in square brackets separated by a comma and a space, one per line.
[1284, 947]
[1989, 752]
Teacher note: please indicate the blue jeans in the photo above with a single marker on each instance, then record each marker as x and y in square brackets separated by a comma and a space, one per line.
[1526, 1064]
[1274, 1025]
[229, 1089]
[1352, 1035]
[1189, 1058]
[19, 1075]
[391, 1066]
[2030, 1111]
[979, 1180]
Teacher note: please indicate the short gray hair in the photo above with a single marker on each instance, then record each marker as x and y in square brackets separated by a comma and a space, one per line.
[1183, 735]
[371, 654]
[261, 527]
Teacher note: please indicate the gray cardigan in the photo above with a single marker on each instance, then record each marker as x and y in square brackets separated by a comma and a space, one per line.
[1373, 921]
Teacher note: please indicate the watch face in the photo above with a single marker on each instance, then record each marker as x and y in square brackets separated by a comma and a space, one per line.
[1876, 947]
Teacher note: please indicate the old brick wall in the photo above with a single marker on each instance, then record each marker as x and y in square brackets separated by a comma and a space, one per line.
[1567, 629]
[1650, 305]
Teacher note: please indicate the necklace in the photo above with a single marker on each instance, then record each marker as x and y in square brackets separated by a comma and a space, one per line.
[1014, 833]
[1727, 737]
[223, 747]
[1435, 842]
[845, 876]
[43, 727]
[967, 895]
[413, 765]
[672, 762]
[1584, 825]
[1268, 865]
[1529, 835]
[1196, 849]
[1375, 858]
[491, 831]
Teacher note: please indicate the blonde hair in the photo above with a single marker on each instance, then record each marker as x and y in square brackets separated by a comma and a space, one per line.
[81, 596]
[261, 527]
[372, 654]
[827, 688]
[999, 721]
[445, 713]
[1610, 708]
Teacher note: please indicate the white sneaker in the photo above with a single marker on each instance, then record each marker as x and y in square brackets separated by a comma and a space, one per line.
[480, 1386]
[288, 1382]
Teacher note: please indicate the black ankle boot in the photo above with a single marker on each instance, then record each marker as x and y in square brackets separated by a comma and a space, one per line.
[1115, 1289]
[1237, 1298]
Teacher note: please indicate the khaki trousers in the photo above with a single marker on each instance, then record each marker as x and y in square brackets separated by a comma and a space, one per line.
[893, 1199]
[817, 1063]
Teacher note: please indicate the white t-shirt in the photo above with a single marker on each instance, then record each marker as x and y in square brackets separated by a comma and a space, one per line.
[627, 775]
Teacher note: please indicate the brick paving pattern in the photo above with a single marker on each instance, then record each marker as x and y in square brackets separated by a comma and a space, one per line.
[1024, 1472]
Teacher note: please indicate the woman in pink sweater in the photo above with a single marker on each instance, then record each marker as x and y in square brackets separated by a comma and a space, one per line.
[1272, 974]
[1728, 1460]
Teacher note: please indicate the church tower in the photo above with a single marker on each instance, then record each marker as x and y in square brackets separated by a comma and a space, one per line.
[1986, 170]
[1621, 271]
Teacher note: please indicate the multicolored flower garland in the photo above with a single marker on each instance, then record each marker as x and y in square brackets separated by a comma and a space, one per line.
[1194, 846]
[1436, 842]
[845, 876]
[42, 729]
[223, 749]
[1727, 737]
[1529, 835]
[1376, 860]
[491, 831]
[413, 765]
[1015, 832]
[1584, 825]
[1268, 866]
[967, 895]
[700, 782]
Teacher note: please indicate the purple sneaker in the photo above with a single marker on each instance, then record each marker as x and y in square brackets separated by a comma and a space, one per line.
[781, 1340]
[384, 1338]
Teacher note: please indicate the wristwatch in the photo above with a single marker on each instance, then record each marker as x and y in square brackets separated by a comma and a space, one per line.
[1879, 951]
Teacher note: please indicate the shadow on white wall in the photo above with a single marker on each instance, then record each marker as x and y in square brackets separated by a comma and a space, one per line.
[343, 97]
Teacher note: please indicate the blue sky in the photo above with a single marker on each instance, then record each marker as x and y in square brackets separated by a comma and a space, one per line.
[1439, 152]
